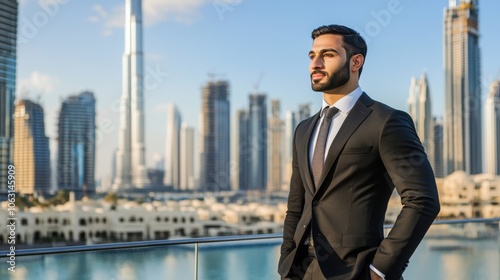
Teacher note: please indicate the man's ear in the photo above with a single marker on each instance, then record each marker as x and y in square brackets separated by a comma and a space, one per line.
[357, 62]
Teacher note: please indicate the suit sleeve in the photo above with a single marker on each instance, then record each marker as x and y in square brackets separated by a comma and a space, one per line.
[295, 204]
[409, 169]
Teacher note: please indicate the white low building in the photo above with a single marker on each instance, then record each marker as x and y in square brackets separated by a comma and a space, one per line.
[470, 196]
[87, 221]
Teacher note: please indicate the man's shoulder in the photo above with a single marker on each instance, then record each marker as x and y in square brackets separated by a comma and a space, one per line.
[382, 109]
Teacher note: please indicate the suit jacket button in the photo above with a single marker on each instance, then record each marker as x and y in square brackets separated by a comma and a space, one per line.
[315, 203]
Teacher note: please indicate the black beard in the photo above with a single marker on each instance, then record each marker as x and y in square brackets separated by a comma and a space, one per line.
[338, 79]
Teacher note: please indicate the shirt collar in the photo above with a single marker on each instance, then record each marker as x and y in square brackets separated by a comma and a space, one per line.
[345, 103]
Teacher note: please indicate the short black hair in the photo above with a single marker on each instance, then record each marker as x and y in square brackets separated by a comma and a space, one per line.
[353, 42]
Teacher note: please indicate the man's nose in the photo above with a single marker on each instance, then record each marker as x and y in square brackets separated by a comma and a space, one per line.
[316, 63]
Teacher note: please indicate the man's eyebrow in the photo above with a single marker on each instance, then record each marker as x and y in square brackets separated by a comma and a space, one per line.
[324, 51]
[329, 50]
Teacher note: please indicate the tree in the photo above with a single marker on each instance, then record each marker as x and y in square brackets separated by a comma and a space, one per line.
[112, 198]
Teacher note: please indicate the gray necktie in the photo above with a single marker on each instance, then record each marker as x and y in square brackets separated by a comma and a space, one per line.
[319, 150]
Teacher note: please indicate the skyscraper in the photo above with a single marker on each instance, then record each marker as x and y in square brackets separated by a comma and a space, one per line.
[437, 165]
[131, 162]
[242, 150]
[276, 149]
[304, 111]
[419, 103]
[31, 149]
[76, 144]
[290, 124]
[187, 180]
[172, 148]
[425, 127]
[492, 127]
[462, 118]
[412, 104]
[8, 39]
[257, 117]
[215, 137]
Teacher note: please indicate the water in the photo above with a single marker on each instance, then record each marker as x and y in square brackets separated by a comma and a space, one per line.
[447, 259]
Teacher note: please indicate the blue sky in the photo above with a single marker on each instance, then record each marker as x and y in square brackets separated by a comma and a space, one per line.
[68, 46]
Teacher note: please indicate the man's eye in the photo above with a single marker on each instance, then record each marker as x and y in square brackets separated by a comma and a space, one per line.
[328, 54]
[311, 56]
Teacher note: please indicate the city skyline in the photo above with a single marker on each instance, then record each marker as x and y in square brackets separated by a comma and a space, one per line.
[177, 67]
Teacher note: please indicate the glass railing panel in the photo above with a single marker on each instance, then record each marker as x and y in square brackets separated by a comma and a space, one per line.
[457, 251]
[253, 259]
[162, 262]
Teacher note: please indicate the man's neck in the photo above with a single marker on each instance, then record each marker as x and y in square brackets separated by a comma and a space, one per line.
[332, 96]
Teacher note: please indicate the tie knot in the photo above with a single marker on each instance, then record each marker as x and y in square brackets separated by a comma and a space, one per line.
[330, 112]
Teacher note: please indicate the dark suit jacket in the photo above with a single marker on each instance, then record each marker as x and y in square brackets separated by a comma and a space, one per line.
[375, 150]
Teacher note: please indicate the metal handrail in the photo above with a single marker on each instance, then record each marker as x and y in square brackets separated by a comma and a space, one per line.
[138, 244]
[188, 241]
[466, 221]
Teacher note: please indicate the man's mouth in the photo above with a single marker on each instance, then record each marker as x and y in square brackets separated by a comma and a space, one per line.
[317, 76]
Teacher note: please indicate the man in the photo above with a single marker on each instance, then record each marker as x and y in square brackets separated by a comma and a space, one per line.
[347, 159]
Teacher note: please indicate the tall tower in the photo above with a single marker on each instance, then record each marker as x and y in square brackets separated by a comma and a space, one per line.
[186, 181]
[242, 151]
[437, 165]
[492, 127]
[290, 124]
[172, 149]
[130, 158]
[8, 39]
[412, 104]
[276, 148]
[215, 137]
[304, 111]
[258, 141]
[425, 129]
[31, 149]
[419, 107]
[462, 119]
[76, 144]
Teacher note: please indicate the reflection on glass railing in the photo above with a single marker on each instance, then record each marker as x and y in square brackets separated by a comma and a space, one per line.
[457, 251]
[164, 262]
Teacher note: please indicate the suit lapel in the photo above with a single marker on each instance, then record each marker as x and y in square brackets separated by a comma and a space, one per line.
[307, 139]
[357, 115]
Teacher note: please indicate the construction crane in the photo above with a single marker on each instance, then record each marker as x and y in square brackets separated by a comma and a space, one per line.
[257, 83]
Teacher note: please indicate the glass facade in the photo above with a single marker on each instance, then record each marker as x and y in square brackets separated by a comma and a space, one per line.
[258, 141]
[243, 149]
[8, 37]
[462, 119]
[215, 137]
[31, 149]
[76, 150]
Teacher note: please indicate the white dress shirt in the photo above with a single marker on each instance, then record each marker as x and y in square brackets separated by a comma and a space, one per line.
[344, 105]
